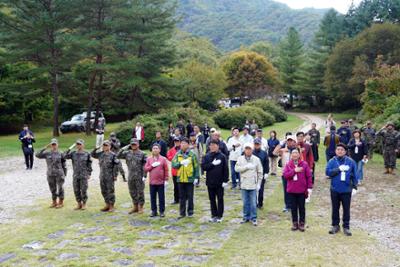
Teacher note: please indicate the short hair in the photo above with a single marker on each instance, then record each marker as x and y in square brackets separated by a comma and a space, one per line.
[185, 140]
[342, 145]
[288, 133]
[299, 133]
[213, 141]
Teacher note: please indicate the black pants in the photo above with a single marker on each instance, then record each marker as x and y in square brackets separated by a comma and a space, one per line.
[176, 189]
[298, 205]
[160, 191]
[28, 158]
[345, 200]
[216, 196]
[260, 200]
[314, 148]
[186, 195]
[285, 193]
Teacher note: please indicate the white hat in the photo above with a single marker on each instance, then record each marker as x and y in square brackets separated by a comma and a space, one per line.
[248, 145]
[291, 137]
[213, 130]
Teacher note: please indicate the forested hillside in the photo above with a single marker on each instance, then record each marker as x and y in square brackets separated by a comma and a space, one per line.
[231, 23]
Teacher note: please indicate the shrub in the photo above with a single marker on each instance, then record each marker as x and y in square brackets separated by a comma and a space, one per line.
[228, 118]
[270, 107]
[159, 122]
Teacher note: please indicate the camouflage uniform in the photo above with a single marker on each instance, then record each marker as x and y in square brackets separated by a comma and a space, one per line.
[369, 136]
[391, 142]
[56, 171]
[115, 148]
[135, 160]
[108, 171]
[82, 165]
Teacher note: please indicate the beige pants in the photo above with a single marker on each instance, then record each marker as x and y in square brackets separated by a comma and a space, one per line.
[274, 164]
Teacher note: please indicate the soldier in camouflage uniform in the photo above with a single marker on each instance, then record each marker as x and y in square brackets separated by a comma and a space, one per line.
[391, 143]
[108, 174]
[115, 147]
[56, 172]
[135, 160]
[82, 165]
[369, 137]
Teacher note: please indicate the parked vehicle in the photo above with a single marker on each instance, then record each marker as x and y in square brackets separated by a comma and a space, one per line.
[78, 122]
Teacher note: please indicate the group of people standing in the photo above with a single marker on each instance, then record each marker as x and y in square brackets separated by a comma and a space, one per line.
[246, 158]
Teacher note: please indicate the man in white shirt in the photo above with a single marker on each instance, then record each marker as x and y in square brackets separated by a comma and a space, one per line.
[246, 137]
[264, 142]
[235, 151]
[138, 132]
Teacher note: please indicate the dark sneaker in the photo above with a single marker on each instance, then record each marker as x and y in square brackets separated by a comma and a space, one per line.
[244, 221]
[295, 226]
[302, 227]
[153, 214]
[181, 217]
[219, 220]
[190, 216]
[347, 232]
[174, 203]
[334, 230]
[162, 214]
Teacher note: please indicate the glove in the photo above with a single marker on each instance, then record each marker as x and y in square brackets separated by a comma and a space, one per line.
[71, 147]
[346, 168]
[308, 199]
[237, 181]
[365, 161]
[309, 191]
[216, 162]
[265, 176]
[341, 168]
[155, 164]
[258, 187]
[165, 184]
[185, 162]
[224, 185]
[196, 181]
[125, 147]
[144, 179]
[353, 192]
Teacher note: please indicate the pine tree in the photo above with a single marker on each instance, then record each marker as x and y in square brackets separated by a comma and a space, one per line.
[290, 62]
[37, 32]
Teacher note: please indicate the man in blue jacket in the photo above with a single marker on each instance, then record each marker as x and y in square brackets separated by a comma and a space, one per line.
[27, 139]
[341, 169]
[344, 133]
[263, 156]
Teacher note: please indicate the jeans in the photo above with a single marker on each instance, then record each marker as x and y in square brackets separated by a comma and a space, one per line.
[298, 205]
[160, 191]
[186, 195]
[249, 204]
[260, 199]
[359, 170]
[345, 200]
[216, 196]
[176, 189]
[235, 175]
[285, 194]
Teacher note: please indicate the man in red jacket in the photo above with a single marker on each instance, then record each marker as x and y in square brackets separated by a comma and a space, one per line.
[170, 155]
[157, 167]
[306, 151]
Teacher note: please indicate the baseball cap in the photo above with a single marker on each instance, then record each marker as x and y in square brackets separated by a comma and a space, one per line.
[177, 139]
[258, 141]
[292, 137]
[80, 142]
[54, 141]
[213, 130]
[106, 143]
[248, 145]
[134, 141]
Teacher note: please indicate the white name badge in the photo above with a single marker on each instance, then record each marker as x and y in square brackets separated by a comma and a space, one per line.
[295, 177]
[356, 150]
[343, 176]
[30, 146]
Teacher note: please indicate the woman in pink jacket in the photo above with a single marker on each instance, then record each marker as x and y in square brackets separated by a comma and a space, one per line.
[157, 167]
[298, 175]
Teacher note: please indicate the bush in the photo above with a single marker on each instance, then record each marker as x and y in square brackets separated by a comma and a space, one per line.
[228, 118]
[270, 107]
[159, 122]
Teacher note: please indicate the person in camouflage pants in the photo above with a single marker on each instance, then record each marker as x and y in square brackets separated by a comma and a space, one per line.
[56, 172]
[115, 148]
[391, 144]
[135, 160]
[108, 174]
[369, 137]
[82, 165]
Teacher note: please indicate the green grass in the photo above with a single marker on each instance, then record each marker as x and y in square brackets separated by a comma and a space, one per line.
[11, 146]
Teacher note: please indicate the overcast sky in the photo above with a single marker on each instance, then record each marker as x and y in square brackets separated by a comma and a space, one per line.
[340, 5]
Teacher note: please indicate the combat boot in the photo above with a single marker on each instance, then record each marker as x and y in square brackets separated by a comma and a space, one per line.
[141, 210]
[60, 203]
[111, 209]
[135, 209]
[106, 208]
[391, 171]
[78, 206]
[387, 171]
[54, 204]
[83, 206]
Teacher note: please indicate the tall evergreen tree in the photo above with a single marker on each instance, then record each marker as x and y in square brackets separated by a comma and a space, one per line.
[37, 32]
[290, 62]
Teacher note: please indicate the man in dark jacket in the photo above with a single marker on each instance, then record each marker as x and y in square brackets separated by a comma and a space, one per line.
[215, 164]
[27, 139]
[344, 133]
[263, 156]
[163, 145]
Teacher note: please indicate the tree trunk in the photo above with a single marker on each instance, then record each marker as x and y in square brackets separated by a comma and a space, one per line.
[99, 99]
[90, 103]
[54, 88]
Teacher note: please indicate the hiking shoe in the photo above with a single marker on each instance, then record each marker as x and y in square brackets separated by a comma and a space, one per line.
[302, 227]
[295, 226]
[162, 214]
[347, 232]
[334, 230]
[212, 220]
[153, 214]
[244, 221]
[219, 220]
